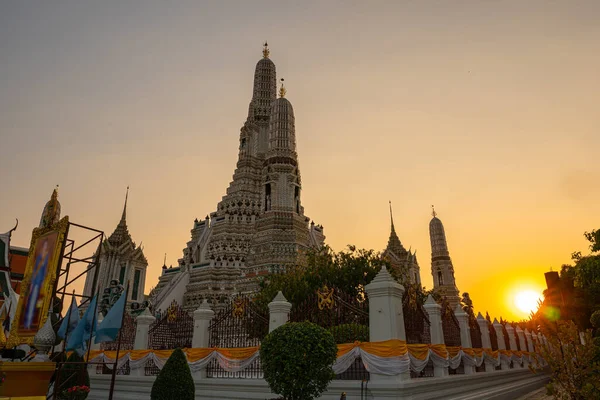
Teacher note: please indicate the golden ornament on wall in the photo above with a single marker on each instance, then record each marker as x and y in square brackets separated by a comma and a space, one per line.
[325, 298]
[238, 308]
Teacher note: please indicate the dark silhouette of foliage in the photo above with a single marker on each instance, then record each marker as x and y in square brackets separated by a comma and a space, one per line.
[175, 379]
[349, 271]
[297, 359]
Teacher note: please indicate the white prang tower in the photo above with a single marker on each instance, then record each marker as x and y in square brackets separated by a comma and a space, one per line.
[441, 263]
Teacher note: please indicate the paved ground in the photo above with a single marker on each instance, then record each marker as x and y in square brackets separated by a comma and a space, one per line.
[530, 389]
[539, 394]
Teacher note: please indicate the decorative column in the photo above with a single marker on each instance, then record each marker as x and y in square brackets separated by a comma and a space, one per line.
[465, 335]
[522, 344]
[386, 318]
[143, 322]
[279, 311]
[512, 340]
[529, 341]
[501, 344]
[202, 317]
[99, 318]
[485, 340]
[434, 311]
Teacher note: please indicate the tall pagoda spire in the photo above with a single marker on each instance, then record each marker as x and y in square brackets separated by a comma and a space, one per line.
[124, 215]
[121, 232]
[394, 243]
[441, 263]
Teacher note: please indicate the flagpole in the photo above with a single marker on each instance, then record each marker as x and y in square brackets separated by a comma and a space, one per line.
[114, 370]
[87, 358]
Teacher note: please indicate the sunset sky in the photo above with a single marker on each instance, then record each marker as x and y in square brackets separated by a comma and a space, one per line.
[486, 109]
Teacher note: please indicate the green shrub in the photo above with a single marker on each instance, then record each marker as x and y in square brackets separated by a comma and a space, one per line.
[72, 375]
[595, 319]
[175, 379]
[350, 333]
[297, 359]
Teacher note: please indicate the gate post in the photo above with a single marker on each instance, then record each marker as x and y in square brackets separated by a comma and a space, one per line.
[386, 317]
[202, 317]
[529, 341]
[434, 311]
[279, 311]
[485, 340]
[522, 344]
[501, 343]
[465, 335]
[143, 321]
[99, 318]
[512, 341]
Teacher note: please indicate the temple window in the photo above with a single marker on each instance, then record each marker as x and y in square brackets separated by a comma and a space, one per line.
[136, 284]
[440, 278]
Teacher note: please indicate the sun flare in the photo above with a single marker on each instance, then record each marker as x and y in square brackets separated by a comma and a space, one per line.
[527, 301]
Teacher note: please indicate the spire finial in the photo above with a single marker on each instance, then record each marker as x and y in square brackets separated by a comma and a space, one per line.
[266, 51]
[433, 211]
[125, 206]
[165, 262]
[391, 215]
[282, 89]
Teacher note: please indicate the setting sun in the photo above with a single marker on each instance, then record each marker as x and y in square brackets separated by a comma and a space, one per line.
[527, 301]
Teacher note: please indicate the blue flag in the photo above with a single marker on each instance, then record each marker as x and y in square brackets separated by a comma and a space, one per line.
[108, 330]
[70, 321]
[85, 329]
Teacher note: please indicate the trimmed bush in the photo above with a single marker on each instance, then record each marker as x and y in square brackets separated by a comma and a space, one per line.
[72, 375]
[175, 379]
[297, 359]
[350, 333]
[595, 319]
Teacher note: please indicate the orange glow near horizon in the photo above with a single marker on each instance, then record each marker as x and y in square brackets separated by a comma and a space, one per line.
[488, 110]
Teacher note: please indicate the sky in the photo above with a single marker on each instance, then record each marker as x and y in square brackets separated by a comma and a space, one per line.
[486, 109]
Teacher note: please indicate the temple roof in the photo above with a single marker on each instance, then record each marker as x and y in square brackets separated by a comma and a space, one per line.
[121, 239]
[394, 245]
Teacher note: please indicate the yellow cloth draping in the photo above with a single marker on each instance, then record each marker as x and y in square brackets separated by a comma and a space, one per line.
[384, 349]
[387, 348]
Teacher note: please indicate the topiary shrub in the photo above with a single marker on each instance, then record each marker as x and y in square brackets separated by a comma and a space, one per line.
[175, 379]
[350, 333]
[595, 319]
[72, 375]
[296, 360]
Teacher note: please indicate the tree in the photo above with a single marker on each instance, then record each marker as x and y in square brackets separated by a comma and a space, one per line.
[175, 379]
[575, 365]
[297, 359]
[348, 271]
[73, 373]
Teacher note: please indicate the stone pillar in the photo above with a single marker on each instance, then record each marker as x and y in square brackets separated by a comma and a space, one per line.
[501, 343]
[202, 317]
[529, 341]
[465, 335]
[512, 341]
[434, 310]
[511, 337]
[99, 318]
[522, 344]
[143, 322]
[279, 311]
[485, 340]
[386, 318]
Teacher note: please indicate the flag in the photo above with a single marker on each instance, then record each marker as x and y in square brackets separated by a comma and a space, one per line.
[4, 249]
[70, 321]
[108, 330]
[85, 329]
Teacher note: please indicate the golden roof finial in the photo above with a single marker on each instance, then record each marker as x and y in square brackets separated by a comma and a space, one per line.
[433, 211]
[266, 51]
[282, 89]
